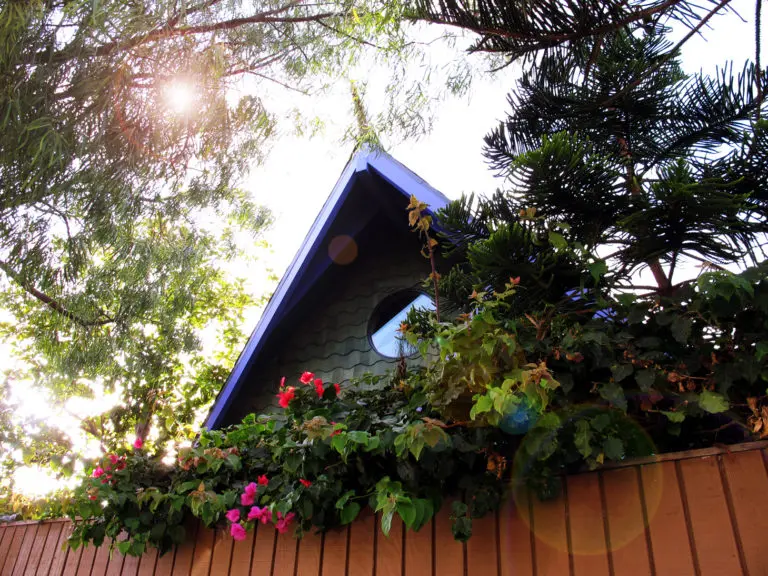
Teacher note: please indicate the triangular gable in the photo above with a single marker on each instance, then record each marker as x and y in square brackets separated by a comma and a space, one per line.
[299, 277]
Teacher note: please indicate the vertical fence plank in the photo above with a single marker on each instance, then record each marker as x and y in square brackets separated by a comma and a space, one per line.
[241, 555]
[449, 553]
[515, 552]
[589, 548]
[362, 538]
[482, 551]
[148, 561]
[101, 560]
[131, 565]
[710, 520]
[308, 557]
[9, 533]
[72, 561]
[85, 563]
[49, 550]
[201, 559]
[285, 555]
[335, 552]
[182, 562]
[748, 485]
[418, 551]
[164, 565]
[551, 540]
[626, 524]
[389, 549]
[672, 554]
[17, 559]
[222, 552]
[263, 550]
[36, 552]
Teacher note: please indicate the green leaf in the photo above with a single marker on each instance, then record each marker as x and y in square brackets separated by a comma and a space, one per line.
[482, 404]
[386, 519]
[349, 512]
[343, 500]
[645, 378]
[681, 329]
[613, 448]
[583, 438]
[761, 350]
[614, 394]
[558, 240]
[713, 402]
[187, 486]
[598, 269]
[621, 371]
[600, 422]
[407, 512]
[124, 546]
[675, 417]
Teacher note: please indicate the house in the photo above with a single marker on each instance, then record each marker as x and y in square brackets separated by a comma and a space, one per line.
[336, 310]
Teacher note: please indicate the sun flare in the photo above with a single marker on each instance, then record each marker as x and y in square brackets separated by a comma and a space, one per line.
[179, 96]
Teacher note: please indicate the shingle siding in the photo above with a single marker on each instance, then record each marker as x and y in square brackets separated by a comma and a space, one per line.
[328, 333]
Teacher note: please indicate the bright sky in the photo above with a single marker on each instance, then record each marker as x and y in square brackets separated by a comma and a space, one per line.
[299, 172]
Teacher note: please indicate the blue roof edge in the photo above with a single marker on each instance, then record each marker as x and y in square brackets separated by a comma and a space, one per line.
[364, 160]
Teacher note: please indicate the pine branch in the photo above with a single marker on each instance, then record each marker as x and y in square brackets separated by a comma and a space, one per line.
[50, 302]
[170, 31]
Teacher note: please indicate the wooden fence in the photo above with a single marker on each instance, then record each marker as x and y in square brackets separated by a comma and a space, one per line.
[699, 513]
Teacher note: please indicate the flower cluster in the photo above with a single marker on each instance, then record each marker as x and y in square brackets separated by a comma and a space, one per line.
[238, 526]
[287, 394]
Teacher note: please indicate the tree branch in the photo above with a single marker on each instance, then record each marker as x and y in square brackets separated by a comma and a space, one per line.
[50, 302]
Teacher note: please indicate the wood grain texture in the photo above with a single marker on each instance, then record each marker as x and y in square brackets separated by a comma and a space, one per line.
[86, 561]
[551, 540]
[222, 552]
[589, 549]
[482, 552]
[418, 552]
[101, 559]
[61, 553]
[8, 535]
[285, 555]
[203, 555]
[263, 550]
[148, 563]
[670, 540]
[241, 555]
[710, 520]
[747, 479]
[27, 543]
[36, 552]
[449, 554]
[362, 536]
[515, 551]
[182, 562]
[335, 553]
[164, 564]
[13, 551]
[308, 559]
[626, 522]
[389, 549]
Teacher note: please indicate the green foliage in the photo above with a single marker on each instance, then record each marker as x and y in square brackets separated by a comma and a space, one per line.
[322, 459]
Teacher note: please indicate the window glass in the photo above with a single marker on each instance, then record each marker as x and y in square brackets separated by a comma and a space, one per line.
[391, 312]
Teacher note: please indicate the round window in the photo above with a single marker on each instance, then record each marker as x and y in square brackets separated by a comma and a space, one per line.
[384, 325]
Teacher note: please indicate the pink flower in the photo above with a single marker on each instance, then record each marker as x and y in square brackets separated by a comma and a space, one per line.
[233, 515]
[138, 443]
[284, 398]
[319, 388]
[98, 472]
[251, 489]
[305, 483]
[337, 388]
[247, 499]
[282, 382]
[263, 480]
[261, 514]
[283, 522]
[306, 377]
[113, 458]
[238, 532]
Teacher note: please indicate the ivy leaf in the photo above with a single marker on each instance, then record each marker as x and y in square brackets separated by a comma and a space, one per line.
[600, 422]
[614, 394]
[675, 417]
[557, 240]
[621, 371]
[386, 519]
[583, 438]
[613, 448]
[645, 378]
[597, 269]
[343, 500]
[681, 329]
[349, 512]
[713, 402]
[482, 404]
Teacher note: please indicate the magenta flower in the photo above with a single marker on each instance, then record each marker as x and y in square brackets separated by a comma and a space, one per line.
[263, 515]
[138, 443]
[263, 480]
[305, 483]
[251, 489]
[306, 377]
[238, 532]
[98, 472]
[283, 522]
[247, 499]
[233, 515]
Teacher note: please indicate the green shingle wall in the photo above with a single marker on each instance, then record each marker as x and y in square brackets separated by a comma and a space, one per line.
[327, 333]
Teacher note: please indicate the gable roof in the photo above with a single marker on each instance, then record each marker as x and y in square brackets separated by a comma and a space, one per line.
[301, 274]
